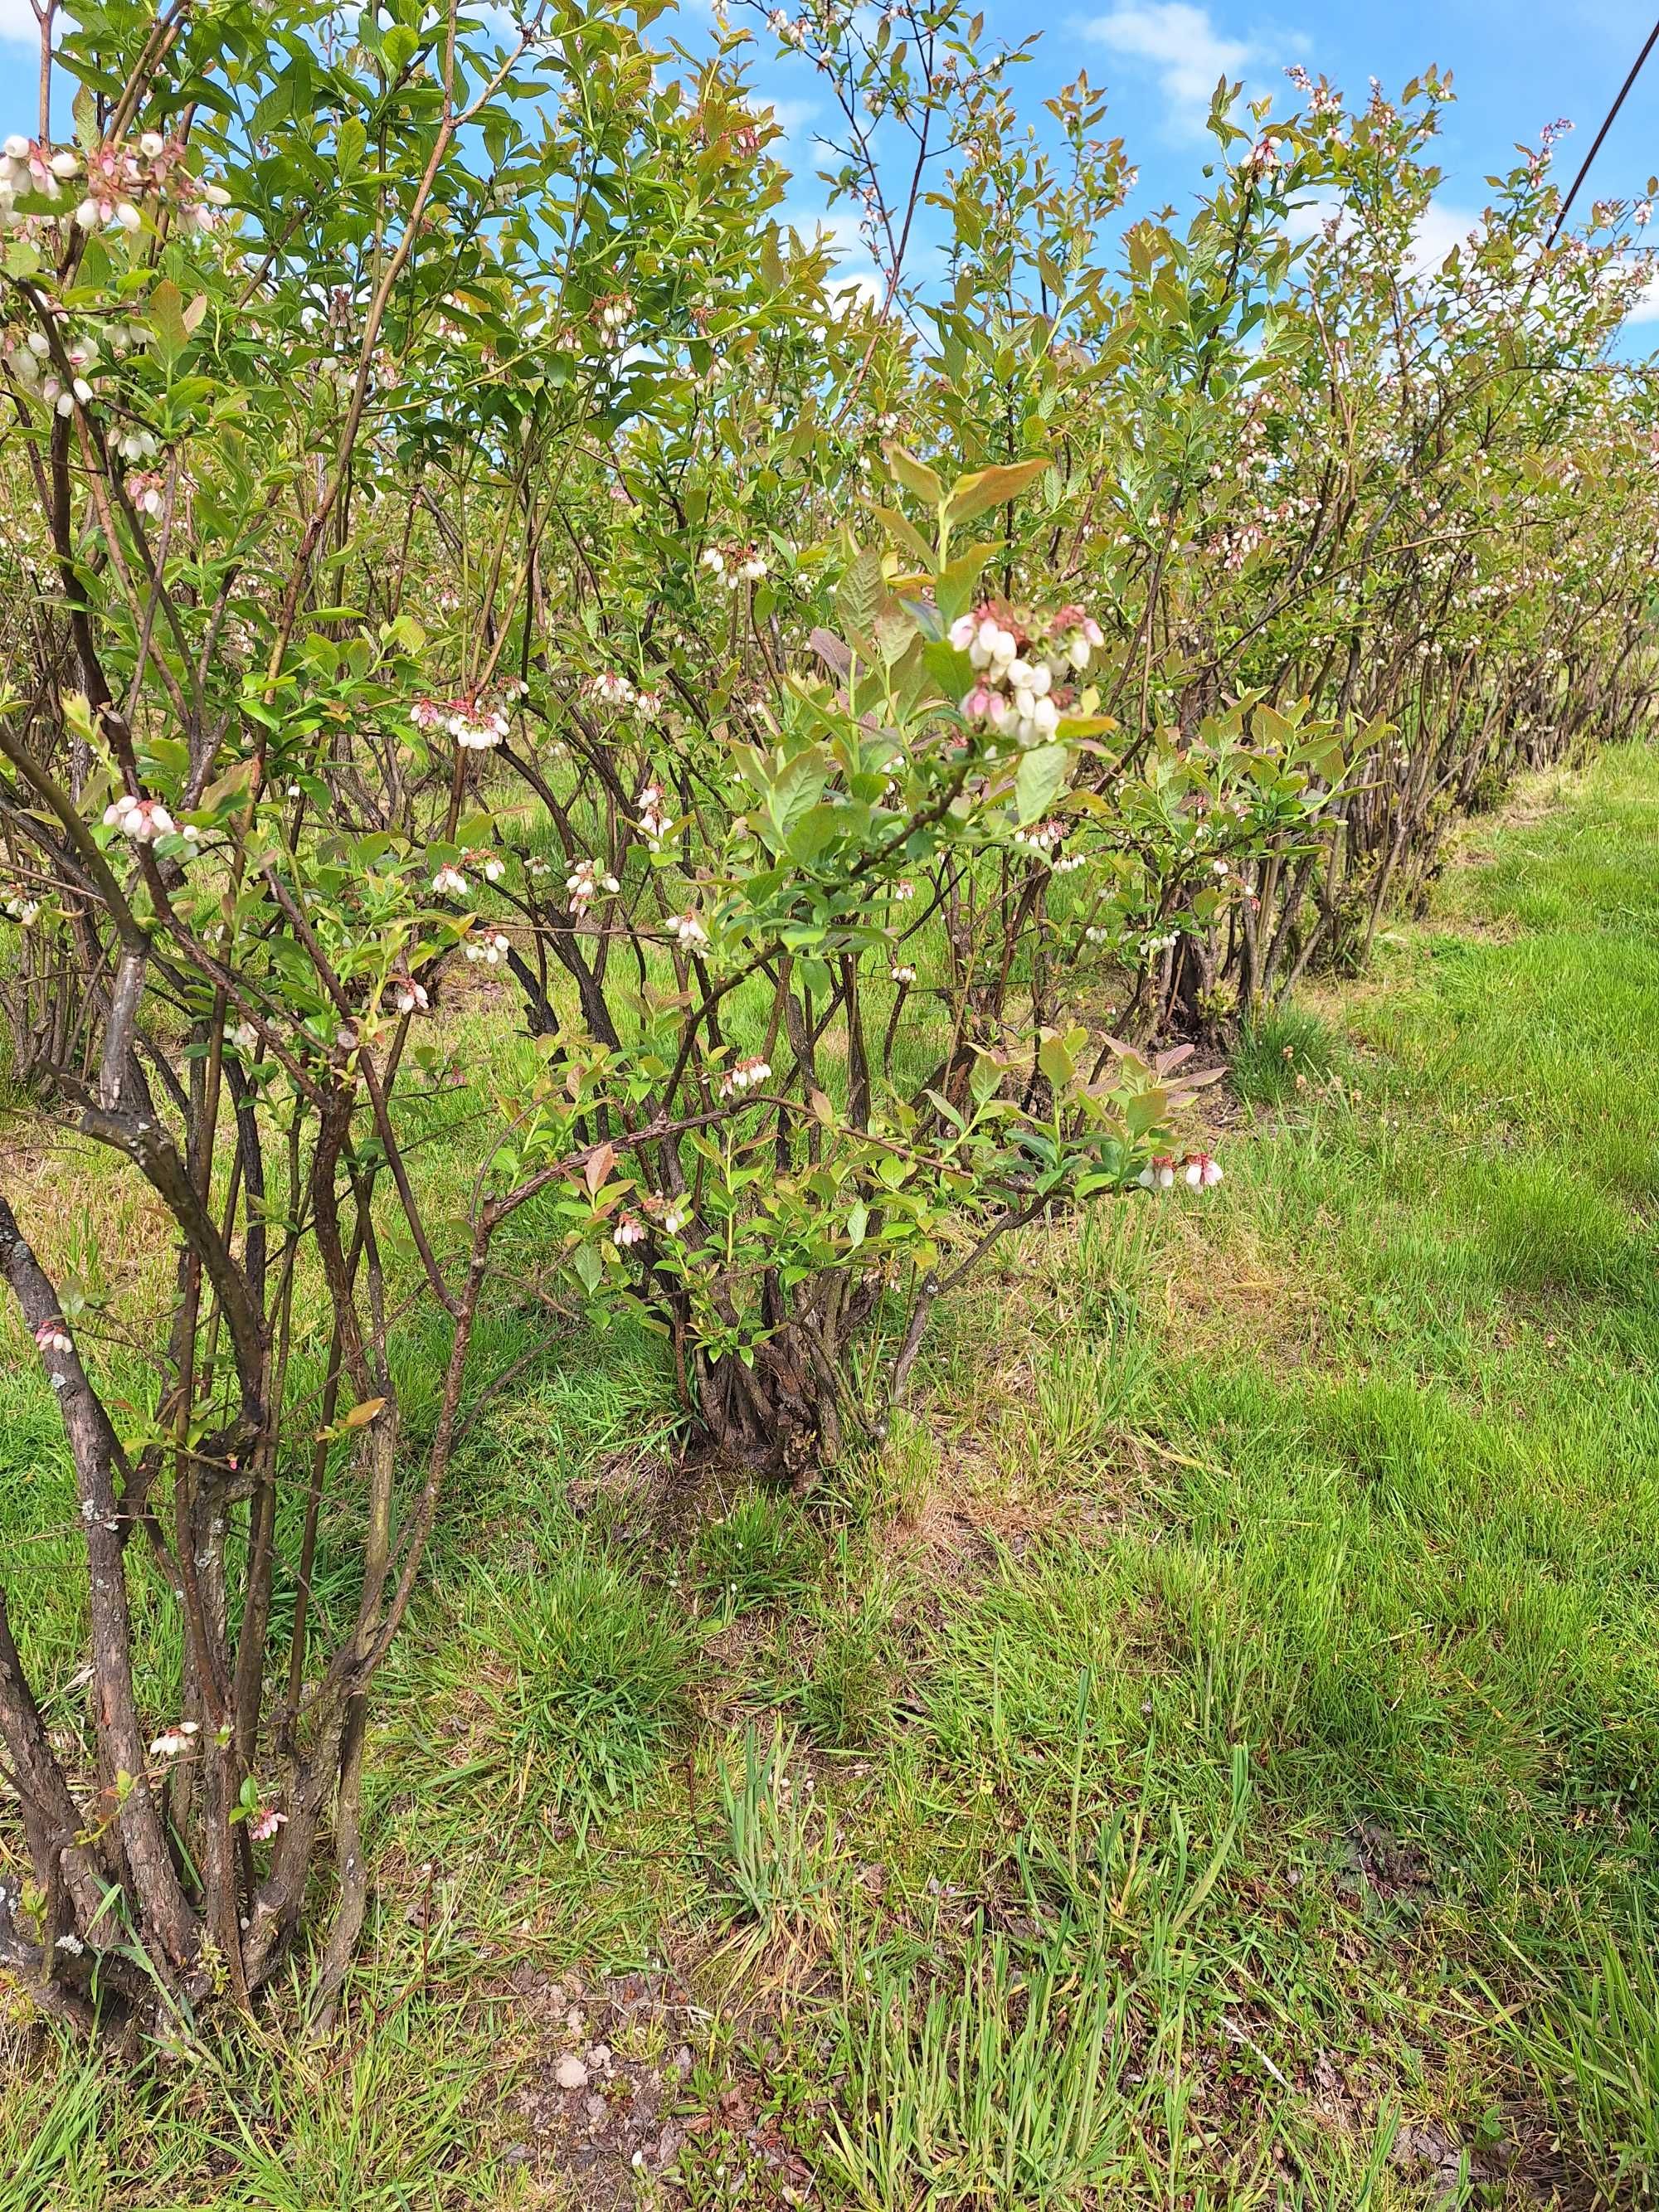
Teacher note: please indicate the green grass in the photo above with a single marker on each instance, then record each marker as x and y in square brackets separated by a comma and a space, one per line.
[581, 1671]
[1230, 1707]
[1003, 2085]
[1598, 2054]
[1282, 1051]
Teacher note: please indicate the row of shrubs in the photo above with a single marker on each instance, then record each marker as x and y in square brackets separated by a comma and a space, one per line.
[557, 751]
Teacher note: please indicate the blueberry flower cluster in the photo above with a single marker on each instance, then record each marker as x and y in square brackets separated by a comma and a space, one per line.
[28, 165]
[142, 821]
[476, 720]
[655, 823]
[611, 318]
[118, 178]
[584, 883]
[1200, 1170]
[1024, 671]
[744, 1077]
[736, 565]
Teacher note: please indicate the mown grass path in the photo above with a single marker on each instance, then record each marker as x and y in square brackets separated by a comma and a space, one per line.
[1230, 1716]
[1408, 1544]
[1354, 1474]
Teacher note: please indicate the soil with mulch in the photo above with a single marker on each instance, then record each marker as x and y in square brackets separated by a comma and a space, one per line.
[603, 2100]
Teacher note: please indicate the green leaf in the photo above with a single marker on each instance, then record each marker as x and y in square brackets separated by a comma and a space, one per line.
[978, 494]
[859, 594]
[915, 475]
[895, 632]
[232, 789]
[904, 532]
[813, 833]
[985, 1079]
[795, 792]
[954, 593]
[1057, 1054]
[1040, 778]
[952, 670]
[167, 320]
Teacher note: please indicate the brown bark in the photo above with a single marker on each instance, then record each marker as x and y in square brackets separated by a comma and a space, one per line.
[163, 1911]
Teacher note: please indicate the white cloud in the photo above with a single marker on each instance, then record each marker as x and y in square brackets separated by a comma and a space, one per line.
[790, 115]
[1646, 309]
[837, 230]
[925, 260]
[1181, 43]
[1441, 226]
[18, 26]
[1309, 216]
[834, 226]
[851, 288]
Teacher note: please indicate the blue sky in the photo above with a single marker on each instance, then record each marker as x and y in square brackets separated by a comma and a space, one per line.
[1516, 67]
